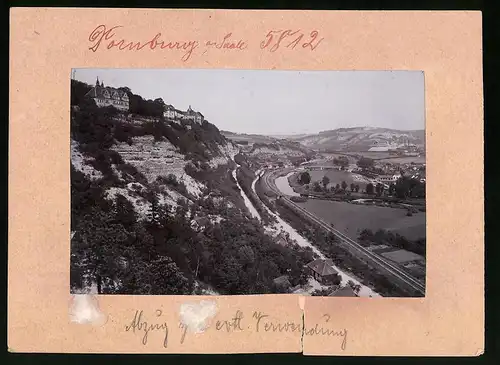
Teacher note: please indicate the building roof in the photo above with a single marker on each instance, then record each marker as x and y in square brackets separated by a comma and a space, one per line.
[402, 256]
[281, 241]
[379, 149]
[107, 92]
[345, 291]
[322, 267]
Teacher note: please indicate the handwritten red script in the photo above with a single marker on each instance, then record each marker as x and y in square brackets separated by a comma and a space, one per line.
[272, 42]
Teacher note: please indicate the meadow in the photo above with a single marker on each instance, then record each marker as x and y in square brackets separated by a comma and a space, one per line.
[351, 219]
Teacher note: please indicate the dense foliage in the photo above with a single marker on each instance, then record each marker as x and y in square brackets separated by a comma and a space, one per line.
[342, 161]
[384, 237]
[365, 163]
[304, 178]
[407, 187]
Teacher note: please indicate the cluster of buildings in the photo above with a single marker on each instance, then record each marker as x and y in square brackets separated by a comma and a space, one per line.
[105, 96]
[392, 172]
[405, 149]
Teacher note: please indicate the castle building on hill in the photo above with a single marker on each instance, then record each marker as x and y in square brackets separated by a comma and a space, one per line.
[174, 114]
[109, 96]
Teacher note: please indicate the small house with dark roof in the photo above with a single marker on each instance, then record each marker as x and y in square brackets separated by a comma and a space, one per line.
[323, 271]
[345, 291]
[108, 96]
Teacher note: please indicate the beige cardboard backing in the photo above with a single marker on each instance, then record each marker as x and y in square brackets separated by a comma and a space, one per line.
[46, 43]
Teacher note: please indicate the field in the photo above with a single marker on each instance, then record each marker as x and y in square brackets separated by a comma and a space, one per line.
[351, 219]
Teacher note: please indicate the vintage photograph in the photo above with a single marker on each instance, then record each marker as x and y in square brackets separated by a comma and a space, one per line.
[235, 182]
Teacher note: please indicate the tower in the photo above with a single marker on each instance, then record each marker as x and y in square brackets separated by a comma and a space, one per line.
[97, 82]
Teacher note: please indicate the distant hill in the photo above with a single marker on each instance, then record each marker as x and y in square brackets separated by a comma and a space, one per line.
[361, 138]
[352, 139]
[255, 144]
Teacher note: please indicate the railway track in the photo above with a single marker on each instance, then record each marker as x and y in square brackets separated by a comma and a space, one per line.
[375, 259]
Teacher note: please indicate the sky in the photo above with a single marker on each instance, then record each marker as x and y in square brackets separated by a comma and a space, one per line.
[280, 102]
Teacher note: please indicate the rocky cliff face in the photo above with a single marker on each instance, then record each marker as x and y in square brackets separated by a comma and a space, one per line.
[166, 155]
[158, 158]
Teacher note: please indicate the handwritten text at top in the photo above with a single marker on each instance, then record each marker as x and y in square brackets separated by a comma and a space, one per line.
[109, 38]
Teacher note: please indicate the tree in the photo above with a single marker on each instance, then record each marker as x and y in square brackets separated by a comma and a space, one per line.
[355, 287]
[392, 189]
[356, 188]
[246, 255]
[78, 91]
[337, 187]
[160, 276]
[379, 189]
[124, 211]
[365, 163]
[304, 178]
[159, 101]
[407, 187]
[344, 185]
[99, 242]
[316, 186]
[353, 187]
[342, 161]
[325, 181]
[369, 188]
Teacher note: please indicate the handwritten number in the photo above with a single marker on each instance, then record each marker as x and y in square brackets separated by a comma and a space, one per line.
[274, 44]
[296, 41]
[269, 35]
[313, 35]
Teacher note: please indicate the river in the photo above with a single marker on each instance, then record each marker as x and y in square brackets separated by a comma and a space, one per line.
[283, 185]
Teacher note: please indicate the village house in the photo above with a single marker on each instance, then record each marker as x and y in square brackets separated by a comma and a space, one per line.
[323, 271]
[108, 96]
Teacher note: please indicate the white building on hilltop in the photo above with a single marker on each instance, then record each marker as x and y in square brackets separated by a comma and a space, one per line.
[170, 112]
